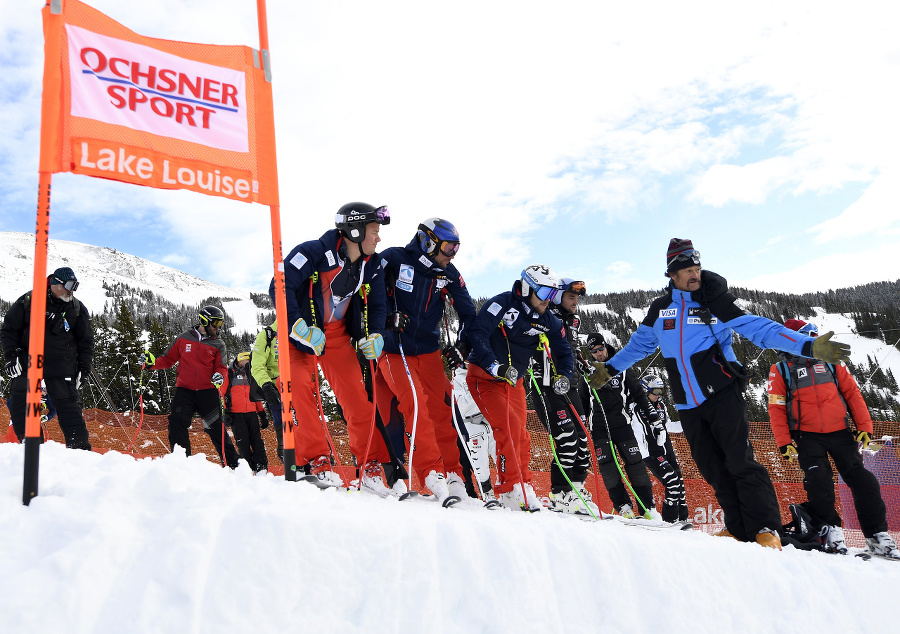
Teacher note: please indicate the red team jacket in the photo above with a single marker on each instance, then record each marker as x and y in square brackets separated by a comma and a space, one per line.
[818, 401]
[198, 358]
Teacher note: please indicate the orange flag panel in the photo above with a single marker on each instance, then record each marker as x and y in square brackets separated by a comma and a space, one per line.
[157, 113]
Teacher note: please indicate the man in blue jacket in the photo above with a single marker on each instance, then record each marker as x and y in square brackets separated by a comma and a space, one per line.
[504, 336]
[330, 318]
[417, 276]
[692, 324]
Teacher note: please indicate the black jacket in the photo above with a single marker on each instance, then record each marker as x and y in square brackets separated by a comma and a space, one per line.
[68, 336]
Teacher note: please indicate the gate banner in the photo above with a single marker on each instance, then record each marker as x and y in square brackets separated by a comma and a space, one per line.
[159, 113]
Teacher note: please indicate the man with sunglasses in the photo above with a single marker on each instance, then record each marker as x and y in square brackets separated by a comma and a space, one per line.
[201, 383]
[504, 335]
[68, 352]
[417, 278]
[334, 289]
[555, 410]
[692, 325]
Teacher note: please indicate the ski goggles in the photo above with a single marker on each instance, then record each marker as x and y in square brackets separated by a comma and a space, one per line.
[692, 256]
[69, 285]
[449, 248]
[656, 391]
[544, 293]
[216, 322]
[579, 288]
[383, 215]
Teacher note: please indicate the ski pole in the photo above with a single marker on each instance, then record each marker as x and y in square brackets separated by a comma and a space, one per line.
[553, 447]
[328, 438]
[412, 441]
[141, 401]
[612, 450]
[545, 342]
[512, 443]
[364, 290]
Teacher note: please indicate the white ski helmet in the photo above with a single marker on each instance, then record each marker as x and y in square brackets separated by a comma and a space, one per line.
[652, 382]
[571, 285]
[540, 279]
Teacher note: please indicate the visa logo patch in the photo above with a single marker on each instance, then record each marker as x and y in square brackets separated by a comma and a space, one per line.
[668, 312]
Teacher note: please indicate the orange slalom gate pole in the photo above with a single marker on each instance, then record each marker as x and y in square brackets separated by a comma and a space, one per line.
[281, 318]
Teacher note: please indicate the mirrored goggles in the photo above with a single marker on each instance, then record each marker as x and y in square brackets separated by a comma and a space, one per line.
[692, 256]
[449, 248]
[810, 330]
[69, 285]
[545, 293]
[658, 391]
[218, 323]
[579, 288]
[383, 215]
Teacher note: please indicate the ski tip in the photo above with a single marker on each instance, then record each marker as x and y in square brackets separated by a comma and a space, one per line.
[409, 495]
[492, 504]
[450, 501]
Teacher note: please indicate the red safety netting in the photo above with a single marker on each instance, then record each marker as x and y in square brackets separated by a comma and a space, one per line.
[110, 431]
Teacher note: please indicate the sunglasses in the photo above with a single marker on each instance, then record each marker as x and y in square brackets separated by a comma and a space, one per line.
[449, 248]
[69, 285]
[596, 350]
[692, 256]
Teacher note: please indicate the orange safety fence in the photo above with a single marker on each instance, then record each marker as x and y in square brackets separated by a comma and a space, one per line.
[112, 431]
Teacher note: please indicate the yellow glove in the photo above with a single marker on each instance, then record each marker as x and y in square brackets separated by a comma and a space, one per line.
[789, 452]
[864, 438]
[830, 351]
[601, 377]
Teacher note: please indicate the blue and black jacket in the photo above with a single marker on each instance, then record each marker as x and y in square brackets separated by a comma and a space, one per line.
[517, 340]
[336, 284]
[676, 322]
[418, 285]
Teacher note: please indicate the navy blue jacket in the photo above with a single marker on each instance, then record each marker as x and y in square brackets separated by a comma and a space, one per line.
[688, 346]
[522, 324]
[419, 283]
[337, 279]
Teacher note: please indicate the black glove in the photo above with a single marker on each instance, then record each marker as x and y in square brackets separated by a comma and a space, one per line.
[505, 372]
[273, 398]
[560, 385]
[227, 418]
[263, 420]
[457, 355]
[14, 368]
[397, 321]
[788, 452]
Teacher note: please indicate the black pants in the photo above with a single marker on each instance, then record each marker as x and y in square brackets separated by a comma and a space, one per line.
[625, 443]
[568, 436]
[667, 470]
[719, 436]
[245, 427]
[813, 450]
[65, 399]
[206, 403]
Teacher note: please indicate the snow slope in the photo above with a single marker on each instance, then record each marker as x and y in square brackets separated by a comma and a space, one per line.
[179, 545]
[95, 265]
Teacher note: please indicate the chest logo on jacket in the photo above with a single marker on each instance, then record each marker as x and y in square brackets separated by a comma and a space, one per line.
[668, 324]
[510, 317]
[668, 312]
[405, 277]
[694, 316]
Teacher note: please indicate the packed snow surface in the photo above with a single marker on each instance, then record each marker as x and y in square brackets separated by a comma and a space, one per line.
[113, 544]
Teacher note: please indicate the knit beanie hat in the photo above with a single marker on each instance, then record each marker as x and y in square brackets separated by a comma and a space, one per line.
[681, 247]
[595, 340]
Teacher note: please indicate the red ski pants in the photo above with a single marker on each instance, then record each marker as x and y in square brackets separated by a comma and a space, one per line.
[498, 399]
[435, 446]
[341, 369]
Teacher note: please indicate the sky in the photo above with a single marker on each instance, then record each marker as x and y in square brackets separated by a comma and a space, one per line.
[112, 544]
[580, 135]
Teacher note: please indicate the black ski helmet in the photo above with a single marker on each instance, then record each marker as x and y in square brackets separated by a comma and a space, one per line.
[352, 219]
[435, 231]
[210, 315]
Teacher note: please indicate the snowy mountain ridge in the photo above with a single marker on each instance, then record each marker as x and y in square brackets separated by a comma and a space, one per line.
[95, 265]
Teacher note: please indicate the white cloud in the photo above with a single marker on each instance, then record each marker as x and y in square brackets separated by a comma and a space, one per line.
[877, 210]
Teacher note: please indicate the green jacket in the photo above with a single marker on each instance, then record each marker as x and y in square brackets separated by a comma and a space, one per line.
[264, 356]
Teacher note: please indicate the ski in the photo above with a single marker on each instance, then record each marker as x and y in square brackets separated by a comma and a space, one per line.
[450, 501]
[322, 484]
[492, 505]
[655, 525]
